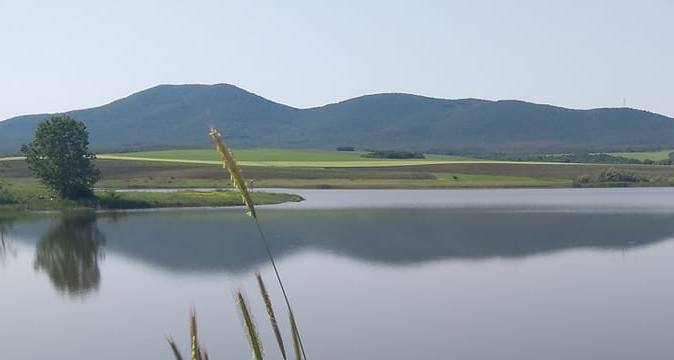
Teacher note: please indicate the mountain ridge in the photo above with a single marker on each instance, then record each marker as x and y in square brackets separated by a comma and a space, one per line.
[177, 116]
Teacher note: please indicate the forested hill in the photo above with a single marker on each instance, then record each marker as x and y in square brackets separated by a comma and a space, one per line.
[172, 116]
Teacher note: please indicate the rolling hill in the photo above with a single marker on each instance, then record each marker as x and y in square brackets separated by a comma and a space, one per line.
[177, 116]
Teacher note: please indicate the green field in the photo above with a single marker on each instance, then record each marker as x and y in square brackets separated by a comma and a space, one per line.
[277, 168]
[480, 180]
[645, 155]
[280, 158]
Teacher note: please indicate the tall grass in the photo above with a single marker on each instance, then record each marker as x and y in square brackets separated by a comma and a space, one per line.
[229, 163]
[272, 316]
[249, 326]
[198, 353]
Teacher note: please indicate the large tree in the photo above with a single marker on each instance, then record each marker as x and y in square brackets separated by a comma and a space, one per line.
[59, 155]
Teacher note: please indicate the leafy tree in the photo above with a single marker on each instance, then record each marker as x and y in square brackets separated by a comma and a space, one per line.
[59, 155]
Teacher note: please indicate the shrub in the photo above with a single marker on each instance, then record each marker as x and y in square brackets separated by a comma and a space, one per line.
[5, 196]
[611, 176]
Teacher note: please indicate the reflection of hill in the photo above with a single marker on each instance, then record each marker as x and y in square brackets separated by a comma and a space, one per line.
[226, 240]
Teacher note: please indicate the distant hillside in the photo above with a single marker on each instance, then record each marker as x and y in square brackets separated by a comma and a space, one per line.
[170, 116]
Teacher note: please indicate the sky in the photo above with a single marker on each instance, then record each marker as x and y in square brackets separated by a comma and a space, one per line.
[62, 55]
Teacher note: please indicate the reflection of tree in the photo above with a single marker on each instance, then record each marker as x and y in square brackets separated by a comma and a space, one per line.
[69, 253]
[5, 225]
[3, 243]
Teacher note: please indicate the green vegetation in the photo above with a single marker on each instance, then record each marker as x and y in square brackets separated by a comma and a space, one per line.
[646, 155]
[291, 157]
[197, 352]
[579, 158]
[5, 196]
[30, 195]
[363, 173]
[60, 158]
[614, 178]
[393, 154]
[131, 200]
[250, 329]
[471, 180]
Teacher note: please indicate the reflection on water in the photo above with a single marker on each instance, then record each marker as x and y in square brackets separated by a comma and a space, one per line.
[69, 248]
[5, 245]
[474, 282]
[69, 253]
[215, 241]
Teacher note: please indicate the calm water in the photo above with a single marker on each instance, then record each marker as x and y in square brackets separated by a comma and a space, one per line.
[487, 274]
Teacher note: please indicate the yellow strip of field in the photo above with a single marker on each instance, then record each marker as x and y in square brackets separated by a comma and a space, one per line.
[334, 163]
[324, 163]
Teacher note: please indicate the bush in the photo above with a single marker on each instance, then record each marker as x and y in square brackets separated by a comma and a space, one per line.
[346, 148]
[611, 176]
[5, 196]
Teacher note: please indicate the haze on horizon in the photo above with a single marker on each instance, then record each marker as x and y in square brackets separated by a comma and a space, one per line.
[60, 56]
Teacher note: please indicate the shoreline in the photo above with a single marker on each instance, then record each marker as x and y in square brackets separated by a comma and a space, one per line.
[35, 201]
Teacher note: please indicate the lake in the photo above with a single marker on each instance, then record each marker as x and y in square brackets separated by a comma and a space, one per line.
[372, 274]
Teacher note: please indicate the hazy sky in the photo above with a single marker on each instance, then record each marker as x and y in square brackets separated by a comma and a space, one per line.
[67, 54]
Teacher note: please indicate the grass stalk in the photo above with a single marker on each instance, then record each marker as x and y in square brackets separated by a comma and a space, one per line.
[271, 314]
[249, 325]
[174, 348]
[297, 342]
[229, 163]
[196, 350]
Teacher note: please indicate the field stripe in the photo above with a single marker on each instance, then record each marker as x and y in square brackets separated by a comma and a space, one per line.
[327, 164]
[337, 163]
[12, 158]
[134, 158]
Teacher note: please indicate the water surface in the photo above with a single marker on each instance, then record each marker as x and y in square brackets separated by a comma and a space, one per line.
[387, 274]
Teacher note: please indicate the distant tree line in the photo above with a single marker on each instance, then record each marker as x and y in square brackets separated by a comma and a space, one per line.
[393, 154]
[585, 157]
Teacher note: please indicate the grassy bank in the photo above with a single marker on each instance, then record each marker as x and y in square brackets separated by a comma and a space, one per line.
[28, 195]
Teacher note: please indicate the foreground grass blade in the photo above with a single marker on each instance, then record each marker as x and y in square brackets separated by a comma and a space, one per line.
[174, 348]
[272, 316]
[196, 350]
[240, 184]
[233, 169]
[297, 342]
[253, 339]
